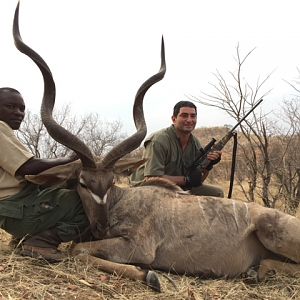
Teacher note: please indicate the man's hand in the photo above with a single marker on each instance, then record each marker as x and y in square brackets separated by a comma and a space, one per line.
[214, 157]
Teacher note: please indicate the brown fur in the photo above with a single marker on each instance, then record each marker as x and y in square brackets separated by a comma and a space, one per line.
[163, 182]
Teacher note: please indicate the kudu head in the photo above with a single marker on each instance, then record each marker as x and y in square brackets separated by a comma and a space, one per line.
[96, 177]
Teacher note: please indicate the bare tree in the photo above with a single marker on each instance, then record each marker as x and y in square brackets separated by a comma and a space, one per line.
[99, 136]
[236, 96]
[31, 133]
[286, 168]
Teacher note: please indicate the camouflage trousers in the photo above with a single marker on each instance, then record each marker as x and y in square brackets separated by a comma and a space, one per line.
[34, 210]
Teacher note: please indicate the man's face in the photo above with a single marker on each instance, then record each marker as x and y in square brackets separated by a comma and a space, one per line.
[12, 109]
[186, 119]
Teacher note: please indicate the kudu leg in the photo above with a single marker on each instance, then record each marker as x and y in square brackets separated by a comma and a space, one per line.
[123, 270]
[114, 255]
[119, 250]
[268, 265]
[278, 232]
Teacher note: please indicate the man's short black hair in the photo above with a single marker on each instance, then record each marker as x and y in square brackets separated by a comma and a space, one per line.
[180, 104]
[5, 90]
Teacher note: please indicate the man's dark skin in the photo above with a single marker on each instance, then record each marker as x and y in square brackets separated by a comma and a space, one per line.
[12, 112]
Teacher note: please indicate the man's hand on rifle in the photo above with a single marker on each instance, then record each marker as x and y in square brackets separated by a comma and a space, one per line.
[214, 157]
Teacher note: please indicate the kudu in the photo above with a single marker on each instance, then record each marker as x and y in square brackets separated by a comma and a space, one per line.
[160, 228]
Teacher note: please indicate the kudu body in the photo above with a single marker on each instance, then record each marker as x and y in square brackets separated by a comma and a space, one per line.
[158, 227]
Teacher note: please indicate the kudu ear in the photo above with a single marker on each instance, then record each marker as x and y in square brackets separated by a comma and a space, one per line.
[57, 175]
[126, 166]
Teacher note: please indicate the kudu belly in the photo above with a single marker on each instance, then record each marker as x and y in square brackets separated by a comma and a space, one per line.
[210, 254]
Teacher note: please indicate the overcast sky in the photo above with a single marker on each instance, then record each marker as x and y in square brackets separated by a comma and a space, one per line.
[100, 52]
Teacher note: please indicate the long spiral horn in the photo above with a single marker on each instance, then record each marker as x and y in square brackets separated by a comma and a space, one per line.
[56, 131]
[133, 142]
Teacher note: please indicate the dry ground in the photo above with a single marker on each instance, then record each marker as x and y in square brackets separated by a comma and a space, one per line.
[26, 278]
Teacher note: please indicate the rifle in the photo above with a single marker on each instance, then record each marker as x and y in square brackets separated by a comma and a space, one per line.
[202, 159]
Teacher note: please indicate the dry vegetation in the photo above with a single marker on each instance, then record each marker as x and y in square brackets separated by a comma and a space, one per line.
[26, 278]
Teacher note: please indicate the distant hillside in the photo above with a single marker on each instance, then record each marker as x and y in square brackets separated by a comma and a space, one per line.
[205, 134]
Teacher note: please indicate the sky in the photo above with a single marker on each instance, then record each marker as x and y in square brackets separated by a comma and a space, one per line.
[101, 51]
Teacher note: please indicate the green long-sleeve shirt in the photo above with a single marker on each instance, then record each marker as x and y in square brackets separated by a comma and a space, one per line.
[164, 155]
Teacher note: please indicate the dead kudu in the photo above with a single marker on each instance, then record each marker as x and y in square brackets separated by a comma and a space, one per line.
[159, 228]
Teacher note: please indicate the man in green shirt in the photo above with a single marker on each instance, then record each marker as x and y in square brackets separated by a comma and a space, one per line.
[171, 152]
[42, 217]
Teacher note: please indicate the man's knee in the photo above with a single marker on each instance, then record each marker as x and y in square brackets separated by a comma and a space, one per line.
[219, 192]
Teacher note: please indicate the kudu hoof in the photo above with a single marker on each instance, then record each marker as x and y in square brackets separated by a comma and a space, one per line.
[152, 281]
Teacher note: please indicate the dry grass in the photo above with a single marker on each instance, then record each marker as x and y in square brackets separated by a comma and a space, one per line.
[26, 278]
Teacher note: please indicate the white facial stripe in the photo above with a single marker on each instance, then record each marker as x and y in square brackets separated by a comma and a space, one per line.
[98, 199]
[105, 198]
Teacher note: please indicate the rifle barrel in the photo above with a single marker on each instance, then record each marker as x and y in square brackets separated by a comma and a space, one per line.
[246, 115]
[209, 145]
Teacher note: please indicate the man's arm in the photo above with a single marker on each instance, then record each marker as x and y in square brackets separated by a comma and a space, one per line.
[179, 180]
[196, 178]
[154, 166]
[36, 165]
[155, 154]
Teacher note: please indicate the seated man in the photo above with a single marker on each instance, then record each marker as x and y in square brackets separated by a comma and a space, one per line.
[43, 217]
[171, 153]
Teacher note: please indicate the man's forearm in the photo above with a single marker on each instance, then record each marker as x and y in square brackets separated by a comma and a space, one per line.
[179, 180]
[37, 165]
